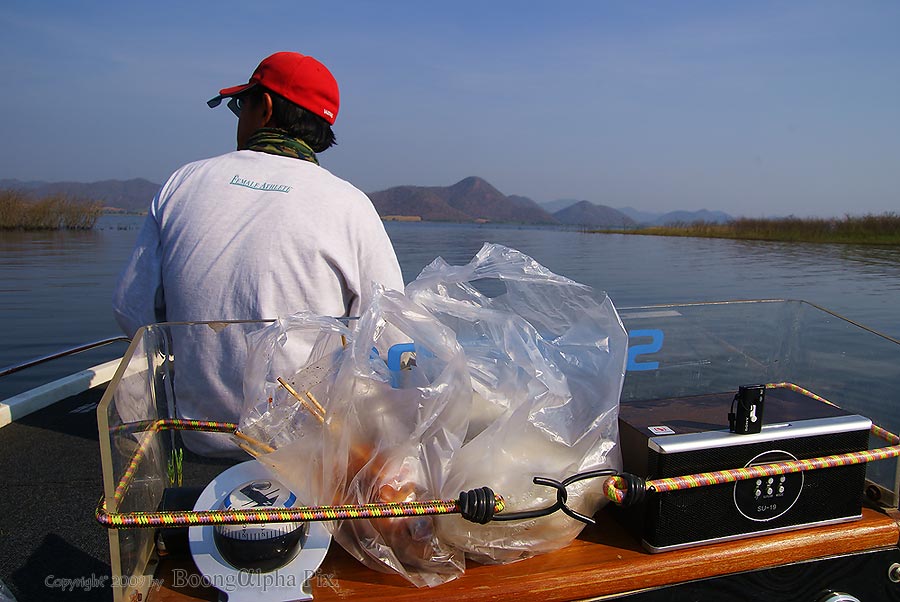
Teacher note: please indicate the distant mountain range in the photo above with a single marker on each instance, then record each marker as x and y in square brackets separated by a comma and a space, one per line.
[469, 200]
[475, 200]
[584, 213]
[645, 218]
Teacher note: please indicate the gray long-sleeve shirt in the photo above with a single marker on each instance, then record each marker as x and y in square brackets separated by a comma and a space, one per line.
[249, 235]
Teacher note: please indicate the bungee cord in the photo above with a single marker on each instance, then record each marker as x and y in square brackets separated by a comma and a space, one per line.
[480, 505]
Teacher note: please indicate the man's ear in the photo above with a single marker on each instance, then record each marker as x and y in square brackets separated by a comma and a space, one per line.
[267, 109]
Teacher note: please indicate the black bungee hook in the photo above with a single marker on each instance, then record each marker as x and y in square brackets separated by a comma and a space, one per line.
[562, 496]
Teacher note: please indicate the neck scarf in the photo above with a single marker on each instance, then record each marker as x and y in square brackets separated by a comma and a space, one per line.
[277, 142]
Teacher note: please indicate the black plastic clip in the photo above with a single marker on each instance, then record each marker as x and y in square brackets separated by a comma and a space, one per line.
[561, 498]
[477, 505]
[635, 489]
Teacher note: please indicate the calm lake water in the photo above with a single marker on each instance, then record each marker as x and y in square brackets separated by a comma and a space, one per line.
[55, 287]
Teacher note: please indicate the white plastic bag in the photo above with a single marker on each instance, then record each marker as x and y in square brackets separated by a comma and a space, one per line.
[547, 361]
[303, 350]
[390, 435]
[386, 434]
[447, 389]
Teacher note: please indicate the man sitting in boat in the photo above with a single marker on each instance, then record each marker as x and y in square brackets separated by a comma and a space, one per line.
[257, 233]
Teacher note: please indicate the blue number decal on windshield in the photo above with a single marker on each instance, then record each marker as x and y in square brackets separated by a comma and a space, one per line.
[634, 351]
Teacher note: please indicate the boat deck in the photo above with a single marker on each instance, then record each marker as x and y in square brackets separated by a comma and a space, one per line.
[50, 466]
[52, 478]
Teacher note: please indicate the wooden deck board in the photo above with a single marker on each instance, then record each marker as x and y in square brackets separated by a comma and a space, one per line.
[604, 561]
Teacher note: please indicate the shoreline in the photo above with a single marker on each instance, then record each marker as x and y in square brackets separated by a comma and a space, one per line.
[863, 230]
[834, 241]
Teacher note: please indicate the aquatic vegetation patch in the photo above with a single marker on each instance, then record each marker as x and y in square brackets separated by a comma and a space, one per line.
[19, 211]
[864, 229]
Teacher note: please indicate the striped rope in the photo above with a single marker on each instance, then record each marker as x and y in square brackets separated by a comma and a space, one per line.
[117, 520]
[616, 488]
[175, 424]
[281, 515]
[768, 470]
[799, 389]
[150, 427]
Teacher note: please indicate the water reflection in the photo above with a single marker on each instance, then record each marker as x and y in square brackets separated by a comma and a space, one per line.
[56, 293]
[872, 257]
[57, 286]
[859, 281]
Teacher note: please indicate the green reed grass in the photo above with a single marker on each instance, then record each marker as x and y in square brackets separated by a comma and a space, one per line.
[19, 211]
[866, 229]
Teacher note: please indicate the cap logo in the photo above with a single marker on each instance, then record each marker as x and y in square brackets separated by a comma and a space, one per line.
[329, 113]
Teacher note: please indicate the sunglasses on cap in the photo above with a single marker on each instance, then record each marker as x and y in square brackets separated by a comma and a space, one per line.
[235, 104]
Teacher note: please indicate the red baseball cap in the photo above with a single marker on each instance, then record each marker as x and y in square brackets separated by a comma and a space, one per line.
[301, 79]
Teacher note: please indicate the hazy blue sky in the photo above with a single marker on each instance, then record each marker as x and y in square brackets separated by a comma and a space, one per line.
[754, 108]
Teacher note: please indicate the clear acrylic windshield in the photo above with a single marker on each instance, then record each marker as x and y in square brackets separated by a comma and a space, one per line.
[674, 350]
